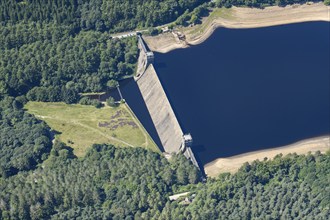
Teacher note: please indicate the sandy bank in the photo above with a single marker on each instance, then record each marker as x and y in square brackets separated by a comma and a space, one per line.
[240, 18]
[232, 164]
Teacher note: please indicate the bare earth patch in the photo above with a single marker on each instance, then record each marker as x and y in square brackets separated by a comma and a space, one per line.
[232, 164]
[239, 18]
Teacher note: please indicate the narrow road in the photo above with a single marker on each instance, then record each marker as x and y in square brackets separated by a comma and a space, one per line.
[128, 34]
[103, 134]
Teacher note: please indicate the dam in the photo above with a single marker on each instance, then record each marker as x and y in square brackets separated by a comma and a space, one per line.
[163, 117]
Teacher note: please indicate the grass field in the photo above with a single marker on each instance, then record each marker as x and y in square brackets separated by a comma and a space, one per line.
[80, 126]
[216, 13]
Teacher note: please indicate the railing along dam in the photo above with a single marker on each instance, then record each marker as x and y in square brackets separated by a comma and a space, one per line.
[159, 107]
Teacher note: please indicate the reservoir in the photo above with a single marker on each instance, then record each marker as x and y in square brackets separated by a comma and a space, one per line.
[246, 89]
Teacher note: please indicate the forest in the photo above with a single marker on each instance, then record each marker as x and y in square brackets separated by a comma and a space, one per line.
[99, 15]
[290, 187]
[109, 182]
[53, 50]
[56, 65]
[24, 140]
[133, 183]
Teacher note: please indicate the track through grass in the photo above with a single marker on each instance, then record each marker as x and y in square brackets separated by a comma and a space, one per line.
[80, 126]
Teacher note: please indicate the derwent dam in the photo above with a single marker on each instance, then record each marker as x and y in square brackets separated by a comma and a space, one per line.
[161, 112]
[167, 126]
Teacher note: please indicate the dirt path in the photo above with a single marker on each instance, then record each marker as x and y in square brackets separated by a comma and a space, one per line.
[240, 18]
[88, 127]
[103, 134]
[232, 164]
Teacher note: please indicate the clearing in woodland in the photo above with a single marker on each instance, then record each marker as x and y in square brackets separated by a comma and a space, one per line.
[81, 126]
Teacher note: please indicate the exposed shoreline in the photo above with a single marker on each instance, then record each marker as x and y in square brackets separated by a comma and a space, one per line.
[239, 18]
[232, 164]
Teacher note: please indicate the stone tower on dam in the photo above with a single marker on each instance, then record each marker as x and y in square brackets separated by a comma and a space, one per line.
[167, 126]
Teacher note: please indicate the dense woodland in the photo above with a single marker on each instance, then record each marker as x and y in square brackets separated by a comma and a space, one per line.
[52, 50]
[100, 15]
[291, 187]
[56, 65]
[24, 140]
[133, 183]
[116, 183]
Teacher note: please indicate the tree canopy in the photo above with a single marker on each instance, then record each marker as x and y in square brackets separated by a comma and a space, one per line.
[57, 64]
[24, 140]
[291, 187]
[108, 183]
[133, 183]
[100, 15]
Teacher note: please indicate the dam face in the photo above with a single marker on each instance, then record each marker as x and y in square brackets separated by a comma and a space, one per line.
[161, 112]
[167, 126]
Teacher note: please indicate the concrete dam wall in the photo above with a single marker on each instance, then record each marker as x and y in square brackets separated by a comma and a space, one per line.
[161, 112]
[167, 126]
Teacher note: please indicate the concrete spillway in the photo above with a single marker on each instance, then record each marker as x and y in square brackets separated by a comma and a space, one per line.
[161, 112]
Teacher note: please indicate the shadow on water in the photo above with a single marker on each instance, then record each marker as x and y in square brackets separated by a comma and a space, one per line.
[134, 99]
[111, 93]
[196, 149]
[169, 99]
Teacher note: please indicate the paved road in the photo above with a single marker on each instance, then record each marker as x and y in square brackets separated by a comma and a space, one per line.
[128, 34]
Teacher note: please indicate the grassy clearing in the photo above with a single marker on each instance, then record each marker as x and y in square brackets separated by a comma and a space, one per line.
[80, 126]
[225, 13]
[222, 13]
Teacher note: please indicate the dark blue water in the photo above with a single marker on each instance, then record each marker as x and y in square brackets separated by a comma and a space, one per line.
[247, 89]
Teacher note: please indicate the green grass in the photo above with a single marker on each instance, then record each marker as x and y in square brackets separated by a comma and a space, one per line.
[226, 13]
[80, 126]
[222, 13]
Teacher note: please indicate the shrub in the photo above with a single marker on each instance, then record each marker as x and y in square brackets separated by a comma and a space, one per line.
[111, 102]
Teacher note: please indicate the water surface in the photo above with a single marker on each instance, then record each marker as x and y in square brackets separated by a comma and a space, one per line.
[247, 89]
